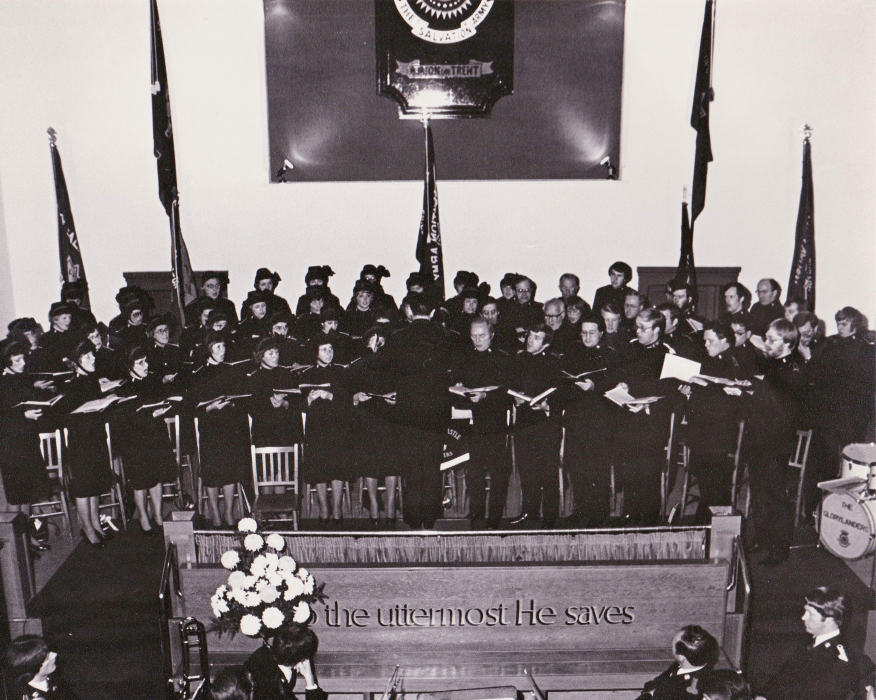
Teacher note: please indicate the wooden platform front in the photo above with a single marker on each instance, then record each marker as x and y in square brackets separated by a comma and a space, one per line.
[574, 626]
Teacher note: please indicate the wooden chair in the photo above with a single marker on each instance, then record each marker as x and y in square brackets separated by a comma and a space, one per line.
[173, 490]
[239, 493]
[115, 495]
[798, 460]
[738, 471]
[273, 469]
[58, 505]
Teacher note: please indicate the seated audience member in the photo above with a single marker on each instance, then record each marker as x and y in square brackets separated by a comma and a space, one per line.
[696, 653]
[737, 298]
[232, 683]
[214, 286]
[266, 282]
[32, 671]
[317, 275]
[620, 275]
[827, 668]
[767, 308]
[275, 668]
[724, 684]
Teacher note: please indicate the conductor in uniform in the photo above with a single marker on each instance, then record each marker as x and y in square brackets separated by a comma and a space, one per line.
[827, 668]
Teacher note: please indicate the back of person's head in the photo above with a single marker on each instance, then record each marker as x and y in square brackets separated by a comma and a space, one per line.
[294, 642]
[669, 308]
[420, 304]
[829, 602]
[232, 683]
[724, 684]
[698, 646]
[25, 657]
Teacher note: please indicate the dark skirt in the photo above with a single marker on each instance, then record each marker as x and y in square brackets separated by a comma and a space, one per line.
[146, 452]
[327, 454]
[224, 447]
[25, 479]
[87, 457]
[372, 441]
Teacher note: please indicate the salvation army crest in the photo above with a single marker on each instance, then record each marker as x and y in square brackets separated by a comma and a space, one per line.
[444, 21]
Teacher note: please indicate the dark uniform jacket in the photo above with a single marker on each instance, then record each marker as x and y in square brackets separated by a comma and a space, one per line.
[607, 294]
[269, 683]
[671, 685]
[830, 671]
[763, 315]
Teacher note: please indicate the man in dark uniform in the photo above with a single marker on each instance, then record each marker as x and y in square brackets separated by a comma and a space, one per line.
[767, 308]
[588, 422]
[555, 319]
[684, 297]
[736, 298]
[751, 359]
[770, 431]
[616, 337]
[538, 428]
[620, 275]
[213, 288]
[528, 312]
[486, 367]
[827, 668]
[415, 363]
[684, 344]
[275, 668]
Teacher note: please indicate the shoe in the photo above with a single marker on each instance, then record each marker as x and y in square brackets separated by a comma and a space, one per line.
[100, 544]
[151, 532]
[39, 531]
[522, 518]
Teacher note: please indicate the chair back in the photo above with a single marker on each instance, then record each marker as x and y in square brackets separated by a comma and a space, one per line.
[50, 447]
[172, 424]
[275, 466]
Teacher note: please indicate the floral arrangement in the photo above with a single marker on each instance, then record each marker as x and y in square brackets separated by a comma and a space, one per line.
[265, 587]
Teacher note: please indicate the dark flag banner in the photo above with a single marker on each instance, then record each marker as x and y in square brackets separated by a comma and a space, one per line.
[687, 271]
[802, 281]
[162, 136]
[72, 268]
[429, 253]
[699, 118]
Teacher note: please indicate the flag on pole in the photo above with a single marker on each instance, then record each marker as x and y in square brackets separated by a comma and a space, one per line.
[802, 281]
[687, 271]
[72, 268]
[185, 290]
[699, 118]
[429, 253]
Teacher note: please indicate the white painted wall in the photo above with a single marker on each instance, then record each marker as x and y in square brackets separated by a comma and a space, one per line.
[82, 66]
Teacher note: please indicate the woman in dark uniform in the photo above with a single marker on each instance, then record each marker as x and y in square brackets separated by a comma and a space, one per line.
[142, 438]
[326, 439]
[25, 479]
[223, 428]
[372, 432]
[88, 459]
[276, 417]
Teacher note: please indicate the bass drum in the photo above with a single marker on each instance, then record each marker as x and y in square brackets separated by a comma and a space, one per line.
[848, 526]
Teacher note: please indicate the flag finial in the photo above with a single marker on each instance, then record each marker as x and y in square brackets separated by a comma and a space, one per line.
[807, 133]
[684, 195]
[53, 135]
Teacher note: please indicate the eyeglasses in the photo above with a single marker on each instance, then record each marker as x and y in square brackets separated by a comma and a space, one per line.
[553, 316]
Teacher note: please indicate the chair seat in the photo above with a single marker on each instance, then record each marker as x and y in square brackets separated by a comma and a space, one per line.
[276, 502]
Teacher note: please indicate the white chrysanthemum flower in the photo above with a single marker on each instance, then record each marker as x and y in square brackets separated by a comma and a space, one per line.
[250, 625]
[247, 525]
[302, 612]
[230, 559]
[236, 579]
[250, 581]
[308, 585]
[222, 590]
[269, 594]
[294, 585]
[274, 579]
[253, 543]
[258, 566]
[272, 560]
[276, 541]
[238, 595]
[251, 599]
[286, 564]
[273, 618]
[219, 607]
[302, 573]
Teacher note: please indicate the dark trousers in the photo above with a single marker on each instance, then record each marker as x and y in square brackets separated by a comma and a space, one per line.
[419, 453]
[587, 462]
[714, 473]
[639, 460]
[537, 449]
[773, 513]
[489, 454]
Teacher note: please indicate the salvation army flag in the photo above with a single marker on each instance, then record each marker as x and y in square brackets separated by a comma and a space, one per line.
[429, 252]
[802, 281]
[184, 286]
[72, 268]
[699, 118]
[687, 271]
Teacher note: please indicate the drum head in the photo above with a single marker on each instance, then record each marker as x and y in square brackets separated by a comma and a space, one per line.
[858, 458]
[847, 526]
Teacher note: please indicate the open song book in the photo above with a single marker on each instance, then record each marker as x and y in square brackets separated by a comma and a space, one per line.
[624, 398]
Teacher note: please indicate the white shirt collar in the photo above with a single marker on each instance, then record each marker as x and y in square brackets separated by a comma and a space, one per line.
[824, 637]
[685, 671]
[40, 685]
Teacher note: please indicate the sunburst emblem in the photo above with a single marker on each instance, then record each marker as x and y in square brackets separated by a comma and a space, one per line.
[444, 9]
